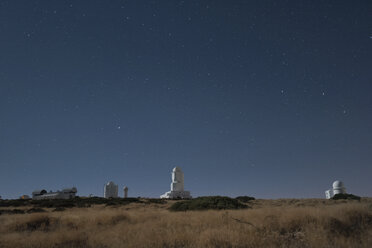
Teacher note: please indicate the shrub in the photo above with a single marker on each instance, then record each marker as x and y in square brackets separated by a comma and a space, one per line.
[353, 223]
[38, 223]
[35, 210]
[346, 197]
[12, 211]
[53, 203]
[245, 198]
[208, 202]
[67, 203]
[156, 201]
[15, 203]
[59, 209]
[120, 201]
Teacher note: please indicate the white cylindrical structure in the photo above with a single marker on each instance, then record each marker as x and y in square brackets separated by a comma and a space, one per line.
[177, 186]
[125, 191]
[177, 180]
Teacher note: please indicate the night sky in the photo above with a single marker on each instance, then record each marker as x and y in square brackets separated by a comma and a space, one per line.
[270, 99]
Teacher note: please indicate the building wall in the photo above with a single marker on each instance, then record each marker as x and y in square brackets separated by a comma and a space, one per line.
[329, 194]
[177, 181]
[55, 195]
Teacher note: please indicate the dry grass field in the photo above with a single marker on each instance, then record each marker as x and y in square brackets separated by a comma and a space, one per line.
[266, 223]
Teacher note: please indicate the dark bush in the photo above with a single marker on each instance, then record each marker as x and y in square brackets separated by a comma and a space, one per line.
[346, 197]
[15, 203]
[35, 210]
[87, 202]
[11, 211]
[83, 205]
[59, 209]
[245, 198]
[156, 201]
[91, 200]
[54, 203]
[64, 204]
[67, 203]
[207, 202]
[120, 201]
[353, 224]
[40, 224]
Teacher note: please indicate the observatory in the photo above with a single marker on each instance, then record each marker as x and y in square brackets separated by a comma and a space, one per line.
[125, 189]
[337, 188]
[68, 193]
[177, 186]
[110, 190]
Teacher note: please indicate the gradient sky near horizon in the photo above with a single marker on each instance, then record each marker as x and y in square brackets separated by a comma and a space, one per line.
[271, 99]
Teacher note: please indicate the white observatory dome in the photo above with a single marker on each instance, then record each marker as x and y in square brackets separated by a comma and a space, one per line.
[337, 184]
[337, 188]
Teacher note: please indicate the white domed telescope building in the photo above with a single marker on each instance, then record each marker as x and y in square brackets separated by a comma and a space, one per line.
[110, 190]
[337, 188]
[177, 186]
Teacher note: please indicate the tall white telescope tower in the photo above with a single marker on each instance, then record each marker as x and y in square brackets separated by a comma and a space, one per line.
[125, 189]
[177, 186]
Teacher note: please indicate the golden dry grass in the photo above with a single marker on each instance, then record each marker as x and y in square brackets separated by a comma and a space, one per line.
[268, 223]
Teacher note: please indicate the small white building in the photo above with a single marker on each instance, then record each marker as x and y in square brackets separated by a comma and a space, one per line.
[68, 193]
[337, 188]
[110, 190]
[177, 186]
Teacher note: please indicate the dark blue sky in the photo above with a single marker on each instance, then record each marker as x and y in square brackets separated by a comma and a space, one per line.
[264, 98]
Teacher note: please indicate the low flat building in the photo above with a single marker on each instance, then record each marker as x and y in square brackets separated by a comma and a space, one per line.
[68, 193]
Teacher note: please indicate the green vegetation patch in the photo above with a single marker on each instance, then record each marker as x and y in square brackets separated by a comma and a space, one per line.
[245, 198]
[346, 197]
[120, 201]
[155, 201]
[67, 203]
[207, 202]
[59, 209]
[15, 203]
[11, 211]
[35, 210]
